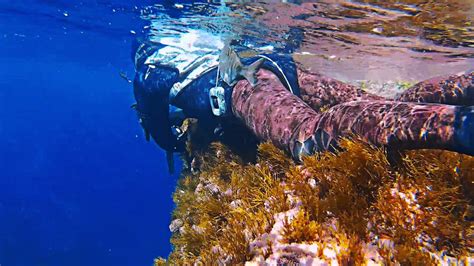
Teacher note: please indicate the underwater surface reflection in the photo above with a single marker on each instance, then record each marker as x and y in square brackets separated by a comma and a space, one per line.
[379, 41]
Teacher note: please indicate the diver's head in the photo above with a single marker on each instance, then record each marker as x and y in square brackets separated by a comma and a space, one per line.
[151, 91]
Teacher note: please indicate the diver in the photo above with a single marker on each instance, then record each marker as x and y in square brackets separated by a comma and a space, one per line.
[199, 77]
[189, 77]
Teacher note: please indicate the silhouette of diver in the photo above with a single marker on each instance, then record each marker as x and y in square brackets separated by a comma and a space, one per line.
[285, 104]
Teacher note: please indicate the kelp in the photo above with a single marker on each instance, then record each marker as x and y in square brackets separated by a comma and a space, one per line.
[352, 207]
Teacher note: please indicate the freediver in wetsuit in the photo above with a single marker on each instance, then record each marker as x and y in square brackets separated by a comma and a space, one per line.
[172, 84]
[285, 105]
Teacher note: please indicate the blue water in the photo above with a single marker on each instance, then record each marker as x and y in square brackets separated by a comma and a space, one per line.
[79, 185]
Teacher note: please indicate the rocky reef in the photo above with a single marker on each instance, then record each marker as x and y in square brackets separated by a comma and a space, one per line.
[359, 206]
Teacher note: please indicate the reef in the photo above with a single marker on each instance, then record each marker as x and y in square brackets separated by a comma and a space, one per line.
[359, 206]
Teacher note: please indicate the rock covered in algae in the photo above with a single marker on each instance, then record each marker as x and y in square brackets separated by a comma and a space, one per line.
[349, 208]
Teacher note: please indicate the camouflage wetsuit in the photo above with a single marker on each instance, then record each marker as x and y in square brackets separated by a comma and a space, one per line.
[431, 114]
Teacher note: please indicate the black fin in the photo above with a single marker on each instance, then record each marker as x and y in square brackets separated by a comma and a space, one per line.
[170, 161]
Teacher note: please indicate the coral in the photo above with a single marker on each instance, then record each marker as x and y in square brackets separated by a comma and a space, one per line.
[353, 207]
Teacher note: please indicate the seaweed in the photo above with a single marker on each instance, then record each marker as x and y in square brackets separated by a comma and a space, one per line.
[349, 207]
[301, 229]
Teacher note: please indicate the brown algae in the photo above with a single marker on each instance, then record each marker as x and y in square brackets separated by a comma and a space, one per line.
[350, 208]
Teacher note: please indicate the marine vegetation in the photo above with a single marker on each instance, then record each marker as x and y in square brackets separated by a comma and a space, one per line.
[357, 206]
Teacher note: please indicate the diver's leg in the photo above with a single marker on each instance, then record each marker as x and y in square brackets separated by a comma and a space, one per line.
[322, 92]
[269, 110]
[454, 89]
[273, 114]
[400, 125]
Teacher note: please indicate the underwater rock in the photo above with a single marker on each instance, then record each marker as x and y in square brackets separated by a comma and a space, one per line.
[351, 208]
[175, 225]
